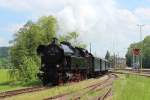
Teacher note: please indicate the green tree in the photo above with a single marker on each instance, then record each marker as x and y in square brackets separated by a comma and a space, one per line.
[146, 52]
[144, 46]
[73, 38]
[4, 51]
[4, 57]
[48, 27]
[107, 56]
[24, 60]
[27, 39]
[129, 59]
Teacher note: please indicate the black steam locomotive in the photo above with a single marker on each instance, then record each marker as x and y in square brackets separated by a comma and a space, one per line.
[62, 63]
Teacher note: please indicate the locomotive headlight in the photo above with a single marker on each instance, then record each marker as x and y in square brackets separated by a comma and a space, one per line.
[57, 66]
[43, 65]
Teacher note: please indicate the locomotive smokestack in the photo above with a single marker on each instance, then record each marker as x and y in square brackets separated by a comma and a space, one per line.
[90, 47]
[54, 40]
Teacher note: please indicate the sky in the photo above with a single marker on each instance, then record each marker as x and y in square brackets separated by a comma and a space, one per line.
[106, 24]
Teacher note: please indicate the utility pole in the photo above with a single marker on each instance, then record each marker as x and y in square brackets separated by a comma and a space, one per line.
[132, 59]
[141, 58]
[113, 57]
[114, 61]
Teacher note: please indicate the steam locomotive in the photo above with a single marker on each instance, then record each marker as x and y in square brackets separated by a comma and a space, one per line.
[62, 63]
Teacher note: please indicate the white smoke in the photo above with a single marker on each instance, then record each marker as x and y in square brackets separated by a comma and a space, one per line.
[99, 22]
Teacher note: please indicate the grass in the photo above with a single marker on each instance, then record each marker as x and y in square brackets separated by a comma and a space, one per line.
[4, 77]
[94, 95]
[85, 94]
[131, 87]
[56, 90]
[6, 83]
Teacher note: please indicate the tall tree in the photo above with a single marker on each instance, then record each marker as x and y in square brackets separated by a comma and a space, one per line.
[107, 56]
[4, 57]
[144, 46]
[73, 38]
[48, 25]
[24, 59]
[146, 52]
[27, 39]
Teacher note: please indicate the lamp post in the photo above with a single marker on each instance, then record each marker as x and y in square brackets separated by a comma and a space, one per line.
[140, 29]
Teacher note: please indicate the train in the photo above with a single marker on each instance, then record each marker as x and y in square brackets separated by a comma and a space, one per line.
[62, 62]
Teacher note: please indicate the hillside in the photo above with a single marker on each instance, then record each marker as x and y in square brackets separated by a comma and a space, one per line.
[4, 57]
[4, 51]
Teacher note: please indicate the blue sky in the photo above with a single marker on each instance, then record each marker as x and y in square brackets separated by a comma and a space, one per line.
[9, 17]
[96, 20]
[133, 4]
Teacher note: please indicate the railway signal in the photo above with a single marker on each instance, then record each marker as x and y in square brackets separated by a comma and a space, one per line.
[136, 51]
[136, 58]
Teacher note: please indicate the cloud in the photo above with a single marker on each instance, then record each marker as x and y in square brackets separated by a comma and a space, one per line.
[13, 28]
[18, 5]
[145, 12]
[3, 42]
[104, 24]
[30, 5]
[101, 22]
[7, 32]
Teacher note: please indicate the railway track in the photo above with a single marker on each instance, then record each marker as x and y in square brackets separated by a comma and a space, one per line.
[24, 90]
[143, 71]
[132, 72]
[108, 93]
[95, 87]
[77, 95]
[21, 91]
[99, 87]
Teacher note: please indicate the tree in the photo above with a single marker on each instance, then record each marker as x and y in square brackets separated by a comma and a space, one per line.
[48, 27]
[4, 57]
[107, 56]
[146, 52]
[4, 51]
[73, 38]
[129, 59]
[27, 39]
[144, 46]
[24, 60]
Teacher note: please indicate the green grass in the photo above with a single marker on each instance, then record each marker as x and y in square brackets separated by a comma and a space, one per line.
[4, 77]
[6, 83]
[93, 95]
[5, 80]
[57, 90]
[131, 87]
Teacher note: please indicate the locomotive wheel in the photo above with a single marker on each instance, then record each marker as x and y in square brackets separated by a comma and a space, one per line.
[53, 79]
[63, 78]
[49, 76]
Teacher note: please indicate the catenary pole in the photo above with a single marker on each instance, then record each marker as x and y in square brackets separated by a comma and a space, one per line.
[141, 53]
